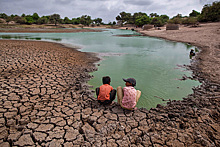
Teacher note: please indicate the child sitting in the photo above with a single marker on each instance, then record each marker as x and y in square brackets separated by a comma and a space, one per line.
[128, 96]
[105, 93]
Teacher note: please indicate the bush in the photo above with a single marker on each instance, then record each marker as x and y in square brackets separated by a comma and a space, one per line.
[190, 21]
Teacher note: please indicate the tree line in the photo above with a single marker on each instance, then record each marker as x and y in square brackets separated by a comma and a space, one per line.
[209, 13]
[51, 19]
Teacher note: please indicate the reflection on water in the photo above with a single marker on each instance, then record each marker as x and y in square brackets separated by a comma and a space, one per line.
[154, 63]
[27, 37]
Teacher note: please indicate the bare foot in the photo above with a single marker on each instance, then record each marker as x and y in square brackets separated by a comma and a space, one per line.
[112, 103]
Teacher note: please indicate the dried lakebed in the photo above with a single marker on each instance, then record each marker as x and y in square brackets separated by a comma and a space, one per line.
[45, 103]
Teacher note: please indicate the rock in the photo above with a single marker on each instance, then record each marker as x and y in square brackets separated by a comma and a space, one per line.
[55, 143]
[4, 144]
[87, 129]
[111, 116]
[71, 134]
[56, 133]
[39, 137]
[3, 133]
[44, 127]
[32, 125]
[13, 97]
[10, 115]
[15, 136]
[24, 140]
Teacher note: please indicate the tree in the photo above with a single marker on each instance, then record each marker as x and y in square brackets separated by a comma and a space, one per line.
[164, 18]
[157, 22]
[55, 18]
[3, 15]
[142, 20]
[85, 20]
[194, 13]
[76, 20]
[35, 17]
[152, 15]
[124, 17]
[190, 21]
[29, 19]
[98, 21]
[42, 20]
[176, 19]
[67, 20]
[19, 19]
[178, 16]
[137, 16]
[210, 12]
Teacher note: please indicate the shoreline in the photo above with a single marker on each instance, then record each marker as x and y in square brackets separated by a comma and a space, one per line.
[206, 38]
[34, 30]
[45, 102]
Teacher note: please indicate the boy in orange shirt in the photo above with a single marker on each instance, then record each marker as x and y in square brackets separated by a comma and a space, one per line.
[105, 93]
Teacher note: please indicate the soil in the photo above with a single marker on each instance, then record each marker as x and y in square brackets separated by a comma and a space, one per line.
[45, 101]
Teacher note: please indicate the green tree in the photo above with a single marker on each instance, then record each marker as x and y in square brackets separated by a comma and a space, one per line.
[157, 22]
[29, 19]
[35, 17]
[42, 20]
[164, 18]
[176, 19]
[190, 21]
[152, 15]
[137, 16]
[142, 20]
[19, 19]
[210, 13]
[124, 17]
[55, 18]
[98, 21]
[194, 13]
[85, 20]
[76, 20]
[3, 15]
[67, 20]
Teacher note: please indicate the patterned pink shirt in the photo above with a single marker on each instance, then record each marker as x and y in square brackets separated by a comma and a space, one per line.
[129, 99]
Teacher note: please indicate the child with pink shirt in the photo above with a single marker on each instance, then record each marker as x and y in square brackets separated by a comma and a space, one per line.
[128, 96]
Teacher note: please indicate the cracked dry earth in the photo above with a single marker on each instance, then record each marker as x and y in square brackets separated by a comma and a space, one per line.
[44, 101]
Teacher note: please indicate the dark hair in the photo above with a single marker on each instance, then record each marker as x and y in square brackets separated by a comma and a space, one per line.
[106, 80]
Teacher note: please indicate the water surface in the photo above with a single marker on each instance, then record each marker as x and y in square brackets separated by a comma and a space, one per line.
[153, 62]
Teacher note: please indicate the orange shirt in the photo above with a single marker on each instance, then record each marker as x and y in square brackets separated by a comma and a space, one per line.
[104, 92]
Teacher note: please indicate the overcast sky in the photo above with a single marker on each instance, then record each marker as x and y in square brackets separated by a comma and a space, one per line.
[105, 9]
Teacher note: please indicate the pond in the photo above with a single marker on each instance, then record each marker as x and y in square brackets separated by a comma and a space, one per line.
[156, 64]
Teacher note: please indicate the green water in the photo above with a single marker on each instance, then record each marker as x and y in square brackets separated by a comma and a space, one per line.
[154, 63]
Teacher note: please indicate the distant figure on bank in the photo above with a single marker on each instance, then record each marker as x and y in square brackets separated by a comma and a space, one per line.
[105, 93]
[128, 96]
[192, 53]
